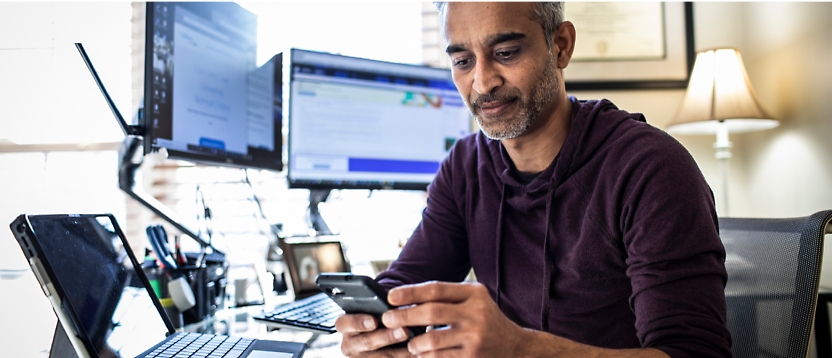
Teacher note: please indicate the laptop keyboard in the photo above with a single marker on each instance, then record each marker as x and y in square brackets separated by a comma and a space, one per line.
[201, 345]
[316, 313]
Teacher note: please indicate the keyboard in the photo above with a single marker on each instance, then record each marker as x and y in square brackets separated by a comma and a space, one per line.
[314, 313]
[201, 345]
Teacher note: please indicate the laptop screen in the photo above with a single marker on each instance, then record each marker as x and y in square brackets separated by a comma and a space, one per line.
[305, 260]
[99, 282]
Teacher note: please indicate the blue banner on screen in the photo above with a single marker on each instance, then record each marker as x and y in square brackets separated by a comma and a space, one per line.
[392, 166]
[211, 143]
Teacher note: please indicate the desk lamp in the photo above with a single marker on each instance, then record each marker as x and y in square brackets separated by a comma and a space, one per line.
[719, 100]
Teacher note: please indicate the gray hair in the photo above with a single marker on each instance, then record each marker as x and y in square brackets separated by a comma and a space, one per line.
[548, 14]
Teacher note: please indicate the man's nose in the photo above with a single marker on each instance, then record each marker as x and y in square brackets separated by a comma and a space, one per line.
[486, 77]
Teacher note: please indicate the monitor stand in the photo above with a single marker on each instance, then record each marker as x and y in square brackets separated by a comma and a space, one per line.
[130, 159]
[317, 196]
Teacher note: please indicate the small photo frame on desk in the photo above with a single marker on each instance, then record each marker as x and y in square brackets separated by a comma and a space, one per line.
[306, 259]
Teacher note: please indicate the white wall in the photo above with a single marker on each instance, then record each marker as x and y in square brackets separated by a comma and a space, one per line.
[789, 48]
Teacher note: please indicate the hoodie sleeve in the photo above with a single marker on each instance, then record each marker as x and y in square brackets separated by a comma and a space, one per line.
[438, 248]
[675, 258]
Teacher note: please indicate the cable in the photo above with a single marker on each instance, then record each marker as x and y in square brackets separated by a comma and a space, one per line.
[275, 231]
[204, 216]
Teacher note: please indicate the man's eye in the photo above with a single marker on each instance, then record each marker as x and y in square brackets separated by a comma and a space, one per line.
[461, 63]
[506, 55]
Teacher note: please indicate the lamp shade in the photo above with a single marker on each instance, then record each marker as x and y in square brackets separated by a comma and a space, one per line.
[719, 91]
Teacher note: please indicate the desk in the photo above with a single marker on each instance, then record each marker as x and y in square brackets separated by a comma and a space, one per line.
[239, 322]
[28, 322]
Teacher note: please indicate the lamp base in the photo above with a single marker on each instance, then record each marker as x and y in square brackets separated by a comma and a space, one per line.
[723, 153]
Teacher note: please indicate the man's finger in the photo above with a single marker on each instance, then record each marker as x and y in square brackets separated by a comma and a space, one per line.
[445, 353]
[386, 353]
[433, 291]
[445, 340]
[356, 344]
[355, 323]
[423, 315]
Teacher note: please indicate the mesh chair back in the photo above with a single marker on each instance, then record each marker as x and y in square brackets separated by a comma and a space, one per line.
[773, 275]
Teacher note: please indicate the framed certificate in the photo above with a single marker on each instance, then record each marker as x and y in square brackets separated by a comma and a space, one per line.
[630, 45]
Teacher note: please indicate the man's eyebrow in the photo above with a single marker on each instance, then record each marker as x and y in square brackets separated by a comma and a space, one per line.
[503, 37]
[454, 48]
[489, 41]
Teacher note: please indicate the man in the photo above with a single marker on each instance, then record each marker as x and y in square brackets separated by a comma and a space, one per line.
[590, 232]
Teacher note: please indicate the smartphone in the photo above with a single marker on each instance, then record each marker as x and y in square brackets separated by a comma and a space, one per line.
[358, 294]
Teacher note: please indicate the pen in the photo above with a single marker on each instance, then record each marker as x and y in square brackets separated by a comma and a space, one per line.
[162, 237]
[158, 247]
[180, 258]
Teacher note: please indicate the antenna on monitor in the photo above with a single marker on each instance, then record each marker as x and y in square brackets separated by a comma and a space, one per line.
[129, 161]
[128, 129]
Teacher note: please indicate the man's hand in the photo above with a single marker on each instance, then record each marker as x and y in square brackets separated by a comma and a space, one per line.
[362, 339]
[475, 325]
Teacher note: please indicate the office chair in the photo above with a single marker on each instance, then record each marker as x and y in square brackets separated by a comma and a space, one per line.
[773, 276]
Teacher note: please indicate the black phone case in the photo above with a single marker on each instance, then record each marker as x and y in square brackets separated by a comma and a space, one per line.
[354, 293]
[360, 294]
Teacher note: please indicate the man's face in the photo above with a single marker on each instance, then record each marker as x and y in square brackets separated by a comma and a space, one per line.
[501, 65]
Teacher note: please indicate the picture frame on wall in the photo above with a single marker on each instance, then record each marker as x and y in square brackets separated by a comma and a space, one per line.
[630, 45]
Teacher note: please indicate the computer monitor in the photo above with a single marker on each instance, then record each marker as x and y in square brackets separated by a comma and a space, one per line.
[356, 123]
[205, 99]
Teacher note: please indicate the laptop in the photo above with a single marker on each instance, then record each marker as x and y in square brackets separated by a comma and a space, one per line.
[312, 309]
[104, 301]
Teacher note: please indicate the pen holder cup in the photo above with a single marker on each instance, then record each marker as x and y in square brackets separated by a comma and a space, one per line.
[208, 284]
[159, 282]
[172, 312]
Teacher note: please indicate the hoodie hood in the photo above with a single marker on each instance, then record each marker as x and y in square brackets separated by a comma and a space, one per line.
[586, 136]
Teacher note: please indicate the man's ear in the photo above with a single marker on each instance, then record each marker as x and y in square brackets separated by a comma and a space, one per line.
[564, 41]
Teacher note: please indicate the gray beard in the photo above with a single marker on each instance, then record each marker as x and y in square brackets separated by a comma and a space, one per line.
[530, 107]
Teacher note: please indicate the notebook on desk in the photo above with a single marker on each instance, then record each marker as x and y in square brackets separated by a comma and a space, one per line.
[104, 302]
[312, 309]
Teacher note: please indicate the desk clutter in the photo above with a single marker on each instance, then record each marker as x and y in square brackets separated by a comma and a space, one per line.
[190, 285]
[106, 304]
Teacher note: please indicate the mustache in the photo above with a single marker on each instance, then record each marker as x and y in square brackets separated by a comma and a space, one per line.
[492, 97]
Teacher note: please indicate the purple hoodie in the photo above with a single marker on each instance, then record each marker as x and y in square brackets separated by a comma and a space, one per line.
[614, 245]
